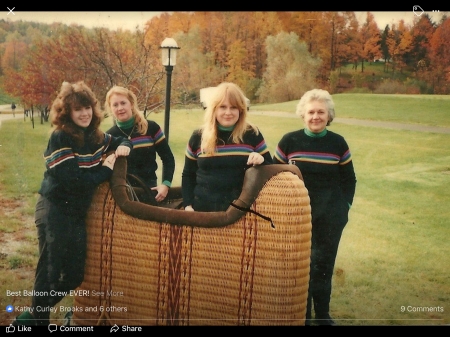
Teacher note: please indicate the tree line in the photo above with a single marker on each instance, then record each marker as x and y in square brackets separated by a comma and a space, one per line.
[273, 56]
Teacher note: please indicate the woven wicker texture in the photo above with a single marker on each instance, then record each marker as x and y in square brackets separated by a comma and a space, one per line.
[141, 272]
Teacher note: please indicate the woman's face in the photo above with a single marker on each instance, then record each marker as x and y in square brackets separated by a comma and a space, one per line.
[226, 114]
[316, 116]
[121, 107]
[81, 116]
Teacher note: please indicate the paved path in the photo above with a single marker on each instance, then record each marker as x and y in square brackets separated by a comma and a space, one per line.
[4, 117]
[351, 121]
[364, 122]
[6, 112]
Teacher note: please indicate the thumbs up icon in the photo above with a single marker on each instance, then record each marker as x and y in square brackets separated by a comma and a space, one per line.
[10, 329]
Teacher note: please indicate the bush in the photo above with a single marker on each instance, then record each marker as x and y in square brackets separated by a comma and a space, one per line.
[421, 86]
[359, 91]
[334, 81]
[16, 261]
[395, 87]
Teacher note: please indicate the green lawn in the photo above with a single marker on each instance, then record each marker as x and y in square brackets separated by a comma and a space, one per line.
[433, 110]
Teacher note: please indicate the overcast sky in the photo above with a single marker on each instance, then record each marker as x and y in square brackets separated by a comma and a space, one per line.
[129, 20]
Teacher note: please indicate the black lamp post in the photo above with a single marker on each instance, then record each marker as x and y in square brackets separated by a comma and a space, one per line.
[169, 58]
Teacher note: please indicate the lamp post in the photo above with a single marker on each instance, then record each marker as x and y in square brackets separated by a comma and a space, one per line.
[169, 58]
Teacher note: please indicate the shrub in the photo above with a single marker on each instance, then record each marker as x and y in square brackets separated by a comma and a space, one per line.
[389, 86]
[360, 91]
[16, 261]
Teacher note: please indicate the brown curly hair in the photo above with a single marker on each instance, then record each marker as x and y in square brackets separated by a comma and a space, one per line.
[72, 96]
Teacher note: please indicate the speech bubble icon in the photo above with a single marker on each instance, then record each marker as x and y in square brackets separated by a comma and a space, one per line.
[52, 327]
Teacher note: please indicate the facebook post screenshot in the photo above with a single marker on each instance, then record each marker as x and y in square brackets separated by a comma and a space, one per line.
[224, 168]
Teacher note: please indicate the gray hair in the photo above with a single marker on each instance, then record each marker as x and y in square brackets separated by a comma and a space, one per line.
[316, 95]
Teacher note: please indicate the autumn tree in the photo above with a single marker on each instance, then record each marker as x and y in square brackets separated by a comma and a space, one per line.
[440, 58]
[370, 40]
[329, 36]
[307, 26]
[291, 70]
[123, 57]
[215, 46]
[14, 50]
[384, 47]
[399, 42]
[156, 30]
[315, 29]
[421, 33]
[180, 22]
[260, 25]
[235, 65]
[3, 34]
[194, 69]
[99, 57]
[37, 79]
[346, 47]
[243, 61]
[202, 38]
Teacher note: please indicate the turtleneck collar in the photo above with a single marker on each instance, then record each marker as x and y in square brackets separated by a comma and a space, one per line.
[225, 128]
[82, 128]
[126, 125]
[316, 135]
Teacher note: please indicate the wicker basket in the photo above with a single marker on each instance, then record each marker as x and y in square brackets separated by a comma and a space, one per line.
[150, 265]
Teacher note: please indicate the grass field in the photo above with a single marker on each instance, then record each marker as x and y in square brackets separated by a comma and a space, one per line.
[392, 265]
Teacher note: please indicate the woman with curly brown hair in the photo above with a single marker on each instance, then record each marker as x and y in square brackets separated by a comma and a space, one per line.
[74, 168]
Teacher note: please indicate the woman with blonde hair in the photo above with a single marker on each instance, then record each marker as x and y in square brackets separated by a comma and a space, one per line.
[219, 152]
[147, 137]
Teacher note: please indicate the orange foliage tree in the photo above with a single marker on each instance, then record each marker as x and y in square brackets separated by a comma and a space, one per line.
[370, 39]
[215, 46]
[440, 58]
[399, 42]
[421, 32]
[99, 57]
[13, 53]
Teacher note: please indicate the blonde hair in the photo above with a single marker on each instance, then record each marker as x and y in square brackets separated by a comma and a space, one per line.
[139, 118]
[236, 97]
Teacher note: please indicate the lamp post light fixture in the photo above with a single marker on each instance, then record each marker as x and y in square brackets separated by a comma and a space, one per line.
[169, 59]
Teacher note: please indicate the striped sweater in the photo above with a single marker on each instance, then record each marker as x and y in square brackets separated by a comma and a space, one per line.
[326, 165]
[72, 172]
[142, 160]
[216, 180]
